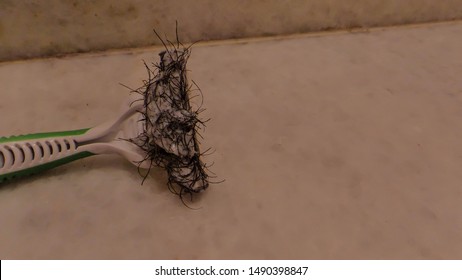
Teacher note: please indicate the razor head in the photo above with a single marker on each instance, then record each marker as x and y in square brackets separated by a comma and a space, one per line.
[170, 135]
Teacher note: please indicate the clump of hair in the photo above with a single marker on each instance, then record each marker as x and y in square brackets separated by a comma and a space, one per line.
[171, 125]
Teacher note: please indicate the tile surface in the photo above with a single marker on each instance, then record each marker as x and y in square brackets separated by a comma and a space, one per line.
[34, 28]
[334, 147]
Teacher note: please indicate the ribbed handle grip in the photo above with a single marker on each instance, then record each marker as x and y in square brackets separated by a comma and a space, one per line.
[29, 154]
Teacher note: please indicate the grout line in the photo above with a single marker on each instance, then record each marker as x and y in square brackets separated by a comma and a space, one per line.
[359, 30]
[213, 43]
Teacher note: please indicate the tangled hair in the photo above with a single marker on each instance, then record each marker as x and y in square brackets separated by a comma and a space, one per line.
[170, 124]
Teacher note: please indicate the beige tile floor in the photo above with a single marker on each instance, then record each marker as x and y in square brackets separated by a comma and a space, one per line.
[340, 146]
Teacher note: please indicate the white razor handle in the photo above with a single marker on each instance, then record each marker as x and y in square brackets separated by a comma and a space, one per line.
[29, 154]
